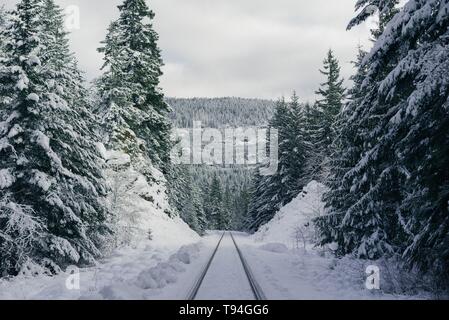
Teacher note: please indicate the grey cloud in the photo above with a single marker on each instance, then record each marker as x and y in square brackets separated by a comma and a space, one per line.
[248, 48]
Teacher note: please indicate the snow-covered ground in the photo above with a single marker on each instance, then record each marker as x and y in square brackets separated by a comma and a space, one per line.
[288, 266]
[293, 221]
[168, 266]
[226, 279]
[144, 271]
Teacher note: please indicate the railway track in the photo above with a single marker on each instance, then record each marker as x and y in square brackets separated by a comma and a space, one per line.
[255, 288]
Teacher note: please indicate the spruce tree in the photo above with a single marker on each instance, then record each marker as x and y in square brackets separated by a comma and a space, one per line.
[133, 107]
[272, 192]
[225, 219]
[346, 150]
[384, 9]
[328, 107]
[51, 180]
[179, 183]
[400, 183]
[214, 204]
[198, 208]
[3, 40]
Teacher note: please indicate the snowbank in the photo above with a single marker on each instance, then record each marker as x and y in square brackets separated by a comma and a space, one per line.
[142, 210]
[293, 221]
[274, 247]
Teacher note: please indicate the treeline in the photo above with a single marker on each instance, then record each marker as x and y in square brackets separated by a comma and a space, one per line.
[383, 152]
[54, 197]
[305, 133]
[221, 112]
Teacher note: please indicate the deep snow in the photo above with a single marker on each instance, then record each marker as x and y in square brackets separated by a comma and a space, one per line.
[288, 265]
[168, 266]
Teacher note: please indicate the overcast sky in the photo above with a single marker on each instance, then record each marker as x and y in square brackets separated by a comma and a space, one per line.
[246, 48]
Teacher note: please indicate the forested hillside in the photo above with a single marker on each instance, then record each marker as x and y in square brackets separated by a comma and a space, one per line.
[221, 112]
[232, 182]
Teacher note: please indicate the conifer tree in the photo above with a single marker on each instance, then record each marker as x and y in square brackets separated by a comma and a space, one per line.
[346, 152]
[179, 183]
[214, 204]
[332, 95]
[52, 187]
[198, 208]
[272, 192]
[225, 219]
[133, 108]
[384, 9]
[3, 40]
[400, 182]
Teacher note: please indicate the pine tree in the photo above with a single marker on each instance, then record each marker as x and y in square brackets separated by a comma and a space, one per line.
[134, 112]
[190, 216]
[416, 93]
[272, 192]
[3, 40]
[51, 181]
[179, 183]
[225, 219]
[198, 207]
[384, 9]
[346, 149]
[214, 204]
[328, 108]
[400, 186]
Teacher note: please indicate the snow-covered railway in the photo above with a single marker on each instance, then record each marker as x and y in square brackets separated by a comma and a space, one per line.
[227, 275]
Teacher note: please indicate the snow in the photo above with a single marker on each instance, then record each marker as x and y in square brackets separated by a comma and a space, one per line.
[6, 178]
[274, 247]
[310, 275]
[33, 97]
[22, 84]
[168, 266]
[297, 214]
[15, 130]
[140, 207]
[226, 279]
[287, 269]
[41, 180]
[4, 125]
[33, 60]
[155, 269]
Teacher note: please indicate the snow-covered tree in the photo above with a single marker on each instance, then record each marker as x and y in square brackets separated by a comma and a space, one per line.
[384, 10]
[214, 203]
[346, 149]
[133, 109]
[179, 183]
[3, 21]
[325, 111]
[225, 219]
[400, 182]
[197, 204]
[272, 192]
[51, 183]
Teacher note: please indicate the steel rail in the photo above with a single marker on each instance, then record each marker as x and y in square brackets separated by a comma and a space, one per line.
[255, 287]
[194, 291]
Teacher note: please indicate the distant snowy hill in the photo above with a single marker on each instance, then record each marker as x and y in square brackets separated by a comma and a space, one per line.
[293, 221]
[221, 112]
